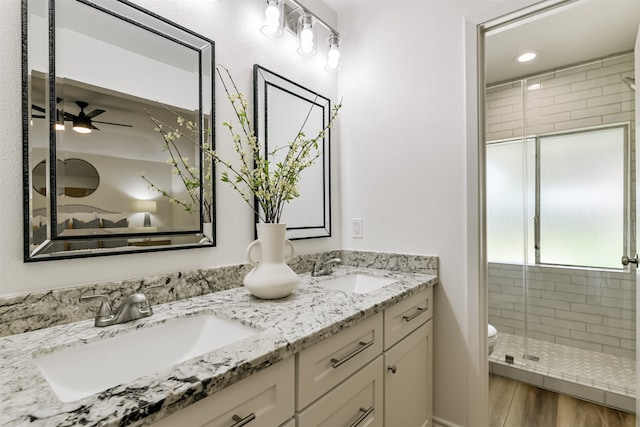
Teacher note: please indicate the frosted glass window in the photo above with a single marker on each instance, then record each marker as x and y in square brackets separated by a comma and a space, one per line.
[582, 198]
[510, 201]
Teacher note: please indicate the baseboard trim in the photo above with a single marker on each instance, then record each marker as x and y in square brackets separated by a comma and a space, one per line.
[439, 422]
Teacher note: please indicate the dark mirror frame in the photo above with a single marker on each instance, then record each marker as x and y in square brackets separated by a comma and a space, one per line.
[266, 82]
[51, 245]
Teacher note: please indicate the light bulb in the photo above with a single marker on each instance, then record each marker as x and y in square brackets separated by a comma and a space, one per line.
[333, 55]
[272, 13]
[271, 27]
[306, 40]
[82, 130]
[59, 126]
[305, 33]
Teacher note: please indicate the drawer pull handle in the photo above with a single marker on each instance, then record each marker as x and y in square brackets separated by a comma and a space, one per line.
[365, 414]
[416, 314]
[239, 422]
[363, 346]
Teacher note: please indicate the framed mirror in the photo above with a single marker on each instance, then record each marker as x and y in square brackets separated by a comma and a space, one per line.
[282, 108]
[106, 86]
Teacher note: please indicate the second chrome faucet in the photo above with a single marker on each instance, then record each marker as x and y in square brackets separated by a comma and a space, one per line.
[324, 265]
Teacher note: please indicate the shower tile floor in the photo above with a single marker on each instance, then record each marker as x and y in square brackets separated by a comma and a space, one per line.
[612, 374]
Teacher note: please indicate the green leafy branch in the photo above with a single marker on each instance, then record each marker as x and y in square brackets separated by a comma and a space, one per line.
[272, 185]
[188, 174]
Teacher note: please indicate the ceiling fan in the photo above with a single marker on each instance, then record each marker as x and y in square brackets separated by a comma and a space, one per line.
[82, 122]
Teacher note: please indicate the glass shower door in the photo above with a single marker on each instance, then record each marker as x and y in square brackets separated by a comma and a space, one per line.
[560, 215]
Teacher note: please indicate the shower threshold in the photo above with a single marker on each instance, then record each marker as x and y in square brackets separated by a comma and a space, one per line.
[589, 375]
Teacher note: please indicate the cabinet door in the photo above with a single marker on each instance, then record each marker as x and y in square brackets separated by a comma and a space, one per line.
[408, 379]
[355, 402]
[264, 399]
[327, 363]
[406, 316]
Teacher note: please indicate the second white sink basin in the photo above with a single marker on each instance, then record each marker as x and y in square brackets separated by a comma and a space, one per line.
[357, 283]
[81, 371]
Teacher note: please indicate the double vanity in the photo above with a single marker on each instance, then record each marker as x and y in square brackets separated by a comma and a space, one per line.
[350, 348]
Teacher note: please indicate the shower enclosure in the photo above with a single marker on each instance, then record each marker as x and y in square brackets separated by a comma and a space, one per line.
[560, 215]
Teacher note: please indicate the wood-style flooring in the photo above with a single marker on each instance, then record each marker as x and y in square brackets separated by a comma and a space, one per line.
[515, 404]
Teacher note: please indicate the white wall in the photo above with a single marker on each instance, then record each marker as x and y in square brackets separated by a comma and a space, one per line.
[235, 27]
[403, 158]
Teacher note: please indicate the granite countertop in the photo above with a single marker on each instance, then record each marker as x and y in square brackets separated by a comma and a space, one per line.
[287, 326]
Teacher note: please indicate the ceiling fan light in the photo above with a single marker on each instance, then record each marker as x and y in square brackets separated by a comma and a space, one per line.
[81, 127]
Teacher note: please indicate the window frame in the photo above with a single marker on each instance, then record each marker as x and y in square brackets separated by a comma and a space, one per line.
[534, 222]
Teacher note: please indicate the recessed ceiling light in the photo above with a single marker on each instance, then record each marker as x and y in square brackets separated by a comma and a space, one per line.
[534, 86]
[526, 56]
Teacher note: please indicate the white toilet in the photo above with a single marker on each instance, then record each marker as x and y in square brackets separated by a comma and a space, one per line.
[492, 339]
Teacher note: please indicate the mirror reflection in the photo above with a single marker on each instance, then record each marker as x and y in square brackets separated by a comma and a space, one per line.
[76, 178]
[100, 120]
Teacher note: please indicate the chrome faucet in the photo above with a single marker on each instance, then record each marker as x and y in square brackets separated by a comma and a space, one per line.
[324, 266]
[135, 306]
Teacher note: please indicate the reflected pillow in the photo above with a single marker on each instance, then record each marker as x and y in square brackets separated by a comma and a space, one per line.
[77, 224]
[63, 226]
[123, 223]
[117, 217]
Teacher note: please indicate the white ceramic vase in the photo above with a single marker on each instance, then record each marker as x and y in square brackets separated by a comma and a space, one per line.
[271, 277]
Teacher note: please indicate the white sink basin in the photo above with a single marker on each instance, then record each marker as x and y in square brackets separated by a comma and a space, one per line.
[81, 371]
[357, 283]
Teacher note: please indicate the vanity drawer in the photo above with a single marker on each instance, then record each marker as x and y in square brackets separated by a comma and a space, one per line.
[404, 317]
[265, 397]
[357, 401]
[329, 362]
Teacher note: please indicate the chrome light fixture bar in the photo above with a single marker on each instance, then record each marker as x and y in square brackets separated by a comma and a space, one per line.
[300, 21]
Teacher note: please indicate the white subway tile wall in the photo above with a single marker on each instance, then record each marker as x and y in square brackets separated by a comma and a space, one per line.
[588, 309]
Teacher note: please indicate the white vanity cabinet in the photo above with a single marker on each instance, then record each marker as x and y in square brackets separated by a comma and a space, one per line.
[333, 369]
[376, 373]
[408, 360]
[358, 401]
[264, 399]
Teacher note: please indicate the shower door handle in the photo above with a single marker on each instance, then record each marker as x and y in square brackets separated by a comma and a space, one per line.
[626, 260]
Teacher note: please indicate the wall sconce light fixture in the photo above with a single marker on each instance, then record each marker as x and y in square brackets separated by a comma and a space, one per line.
[333, 56]
[300, 21]
[307, 36]
[274, 18]
[59, 120]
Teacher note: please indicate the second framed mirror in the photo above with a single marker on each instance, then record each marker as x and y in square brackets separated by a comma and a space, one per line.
[283, 109]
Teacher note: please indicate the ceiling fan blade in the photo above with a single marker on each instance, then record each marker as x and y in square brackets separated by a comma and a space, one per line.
[69, 116]
[114, 124]
[37, 108]
[94, 113]
[94, 128]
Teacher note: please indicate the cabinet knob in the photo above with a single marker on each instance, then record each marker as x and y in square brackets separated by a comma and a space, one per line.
[392, 368]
